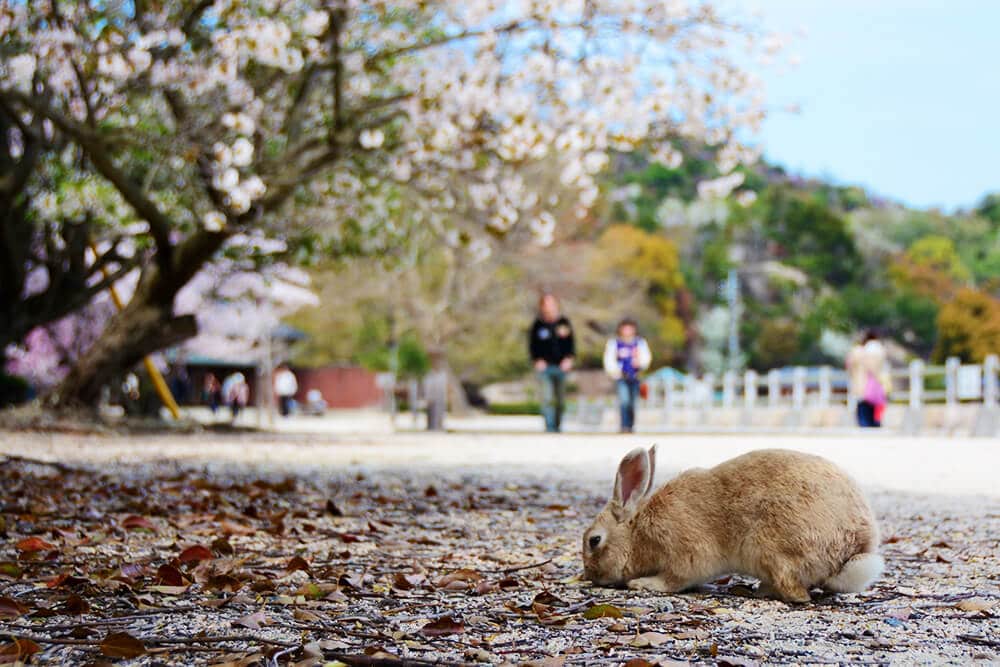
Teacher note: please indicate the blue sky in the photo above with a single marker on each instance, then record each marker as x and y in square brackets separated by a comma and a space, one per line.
[900, 97]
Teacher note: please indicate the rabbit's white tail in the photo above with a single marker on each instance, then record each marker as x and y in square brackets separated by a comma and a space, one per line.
[857, 574]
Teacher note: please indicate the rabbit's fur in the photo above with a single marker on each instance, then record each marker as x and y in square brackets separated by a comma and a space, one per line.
[792, 520]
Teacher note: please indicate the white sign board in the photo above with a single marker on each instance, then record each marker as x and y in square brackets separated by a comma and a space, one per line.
[970, 382]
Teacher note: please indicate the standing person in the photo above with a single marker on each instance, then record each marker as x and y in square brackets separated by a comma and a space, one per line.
[285, 386]
[236, 392]
[868, 369]
[625, 356]
[551, 347]
[211, 392]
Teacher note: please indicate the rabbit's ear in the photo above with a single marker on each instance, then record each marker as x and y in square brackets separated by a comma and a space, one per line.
[652, 469]
[635, 474]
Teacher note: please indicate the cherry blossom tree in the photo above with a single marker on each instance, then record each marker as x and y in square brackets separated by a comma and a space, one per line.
[238, 300]
[327, 122]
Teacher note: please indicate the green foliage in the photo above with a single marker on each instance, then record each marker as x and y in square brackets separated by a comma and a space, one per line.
[523, 408]
[938, 253]
[777, 344]
[989, 208]
[812, 237]
[968, 327]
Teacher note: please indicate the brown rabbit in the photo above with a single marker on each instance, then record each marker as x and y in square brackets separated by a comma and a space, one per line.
[790, 519]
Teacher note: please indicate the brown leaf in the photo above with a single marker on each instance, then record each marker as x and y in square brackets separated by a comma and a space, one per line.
[941, 545]
[406, 582]
[650, 639]
[975, 604]
[446, 625]
[221, 546]
[298, 563]
[136, 522]
[67, 581]
[168, 575]
[194, 554]
[548, 599]
[34, 544]
[75, 605]
[306, 615]
[464, 575]
[638, 662]
[223, 582]
[252, 621]
[122, 645]
[18, 650]
[332, 509]
[11, 608]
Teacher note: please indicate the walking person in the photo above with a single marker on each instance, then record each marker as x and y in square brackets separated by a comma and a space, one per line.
[552, 348]
[868, 369]
[626, 355]
[285, 386]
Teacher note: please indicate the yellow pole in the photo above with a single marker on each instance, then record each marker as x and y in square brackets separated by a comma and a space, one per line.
[154, 373]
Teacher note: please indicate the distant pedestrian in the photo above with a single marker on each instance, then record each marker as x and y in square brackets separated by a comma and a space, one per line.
[285, 386]
[626, 355]
[236, 392]
[868, 369]
[211, 392]
[552, 348]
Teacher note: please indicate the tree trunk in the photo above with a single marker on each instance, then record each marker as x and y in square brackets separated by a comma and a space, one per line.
[139, 330]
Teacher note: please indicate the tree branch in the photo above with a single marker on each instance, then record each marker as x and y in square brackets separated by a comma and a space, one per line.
[93, 145]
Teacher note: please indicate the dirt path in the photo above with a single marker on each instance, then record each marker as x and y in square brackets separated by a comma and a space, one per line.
[458, 550]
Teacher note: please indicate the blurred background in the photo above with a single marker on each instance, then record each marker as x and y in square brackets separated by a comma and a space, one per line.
[864, 198]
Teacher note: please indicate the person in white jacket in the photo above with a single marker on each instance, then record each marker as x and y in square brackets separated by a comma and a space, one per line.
[625, 357]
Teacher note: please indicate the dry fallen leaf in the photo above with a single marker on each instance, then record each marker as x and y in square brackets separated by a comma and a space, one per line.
[122, 645]
[650, 639]
[446, 625]
[195, 554]
[252, 621]
[33, 545]
[975, 604]
[135, 522]
[18, 650]
[602, 611]
[11, 608]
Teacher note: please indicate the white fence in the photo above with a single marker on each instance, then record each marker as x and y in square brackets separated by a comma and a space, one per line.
[923, 398]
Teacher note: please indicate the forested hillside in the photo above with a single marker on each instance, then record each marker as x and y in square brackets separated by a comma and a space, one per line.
[815, 264]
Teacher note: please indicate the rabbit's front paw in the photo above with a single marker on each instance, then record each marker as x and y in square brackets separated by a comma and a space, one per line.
[655, 583]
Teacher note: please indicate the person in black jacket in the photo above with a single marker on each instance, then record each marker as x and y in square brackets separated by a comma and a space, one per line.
[552, 349]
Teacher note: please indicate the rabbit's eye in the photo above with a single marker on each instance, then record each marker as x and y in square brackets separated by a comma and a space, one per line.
[594, 541]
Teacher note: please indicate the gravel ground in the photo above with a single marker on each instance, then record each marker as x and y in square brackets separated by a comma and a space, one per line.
[464, 549]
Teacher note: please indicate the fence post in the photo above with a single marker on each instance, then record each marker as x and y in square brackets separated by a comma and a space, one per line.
[988, 417]
[914, 420]
[825, 386]
[951, 381]
[749, 396]
[689, 391]
[728, 389]
[668, 399]
[773, 388]
[799, 388]
[708, 385]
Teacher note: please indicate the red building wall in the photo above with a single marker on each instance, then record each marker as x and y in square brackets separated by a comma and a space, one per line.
[341, 386]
